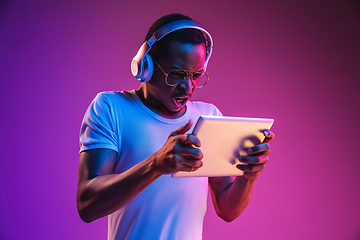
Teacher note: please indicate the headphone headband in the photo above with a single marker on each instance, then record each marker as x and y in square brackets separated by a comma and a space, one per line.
[142, 65]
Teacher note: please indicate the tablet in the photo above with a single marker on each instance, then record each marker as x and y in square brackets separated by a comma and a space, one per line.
[223, 140]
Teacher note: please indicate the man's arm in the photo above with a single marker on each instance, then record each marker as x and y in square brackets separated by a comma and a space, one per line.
[230, 195]
[100, 192]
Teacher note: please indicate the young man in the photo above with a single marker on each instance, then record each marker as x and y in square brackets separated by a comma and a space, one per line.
[131, 141]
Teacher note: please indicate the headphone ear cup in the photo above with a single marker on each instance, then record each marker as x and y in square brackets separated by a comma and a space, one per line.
[147, 68]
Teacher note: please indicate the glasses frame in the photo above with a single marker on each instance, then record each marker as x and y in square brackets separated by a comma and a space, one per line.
[188, 73]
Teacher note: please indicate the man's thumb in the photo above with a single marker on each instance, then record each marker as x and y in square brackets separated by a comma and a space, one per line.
[183, 129]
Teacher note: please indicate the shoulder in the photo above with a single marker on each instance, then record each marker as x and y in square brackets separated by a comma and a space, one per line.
[205, 108]
[108, 103]
[113, 95]
[112, 98]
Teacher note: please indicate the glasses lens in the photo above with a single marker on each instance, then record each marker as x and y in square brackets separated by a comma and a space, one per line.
[176, 77]
[200, 79]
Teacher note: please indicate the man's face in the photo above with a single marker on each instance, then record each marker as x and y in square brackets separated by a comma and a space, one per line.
[171, 101]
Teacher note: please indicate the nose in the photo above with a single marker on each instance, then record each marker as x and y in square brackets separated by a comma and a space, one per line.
[187, 85]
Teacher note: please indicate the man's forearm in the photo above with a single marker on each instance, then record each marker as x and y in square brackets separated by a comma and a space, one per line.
[103, 195]
[233, 199]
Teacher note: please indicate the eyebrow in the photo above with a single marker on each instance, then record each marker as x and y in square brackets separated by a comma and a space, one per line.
[181, 69]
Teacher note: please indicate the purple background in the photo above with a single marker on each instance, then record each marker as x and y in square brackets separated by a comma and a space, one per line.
[295, 61]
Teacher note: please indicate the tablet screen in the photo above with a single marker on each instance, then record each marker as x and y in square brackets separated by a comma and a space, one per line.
[223, 140]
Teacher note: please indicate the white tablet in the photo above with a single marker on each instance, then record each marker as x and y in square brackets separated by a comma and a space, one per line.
[223, 140]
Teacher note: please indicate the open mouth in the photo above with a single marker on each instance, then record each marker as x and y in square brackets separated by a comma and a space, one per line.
[181, 100]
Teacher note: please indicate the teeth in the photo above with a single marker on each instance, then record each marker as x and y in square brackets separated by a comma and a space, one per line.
[180, 99]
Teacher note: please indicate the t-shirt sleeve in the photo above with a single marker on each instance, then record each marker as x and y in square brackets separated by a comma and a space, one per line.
[217, 111]
[98, 128]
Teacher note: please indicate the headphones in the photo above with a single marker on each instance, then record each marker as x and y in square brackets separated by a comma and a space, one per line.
[142, 64]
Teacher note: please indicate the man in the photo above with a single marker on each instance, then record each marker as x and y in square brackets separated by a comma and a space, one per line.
[131, 141]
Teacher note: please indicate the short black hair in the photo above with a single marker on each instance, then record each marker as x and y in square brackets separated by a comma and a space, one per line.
[188, 35]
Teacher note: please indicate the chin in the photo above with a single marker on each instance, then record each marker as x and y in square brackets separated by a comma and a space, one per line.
[175, 109]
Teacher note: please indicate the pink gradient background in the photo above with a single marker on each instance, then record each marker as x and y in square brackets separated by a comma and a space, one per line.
[295, 61]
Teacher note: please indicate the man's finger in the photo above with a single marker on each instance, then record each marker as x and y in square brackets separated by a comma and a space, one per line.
[259, 148]
[254, 159]
[183, 129]
[269, 135]
[251, 167]
[190, 140]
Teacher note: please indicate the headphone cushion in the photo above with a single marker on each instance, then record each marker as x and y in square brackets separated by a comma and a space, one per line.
[147, 68]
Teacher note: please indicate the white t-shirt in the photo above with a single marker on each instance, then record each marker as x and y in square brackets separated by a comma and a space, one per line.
[169, 208]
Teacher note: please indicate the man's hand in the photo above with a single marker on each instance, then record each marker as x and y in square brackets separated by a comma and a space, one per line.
[181, 152]
[257, 158]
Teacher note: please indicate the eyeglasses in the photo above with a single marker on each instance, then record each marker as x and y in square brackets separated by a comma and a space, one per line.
[176, 77]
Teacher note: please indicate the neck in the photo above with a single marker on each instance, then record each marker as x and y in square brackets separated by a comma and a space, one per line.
[154, 105]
